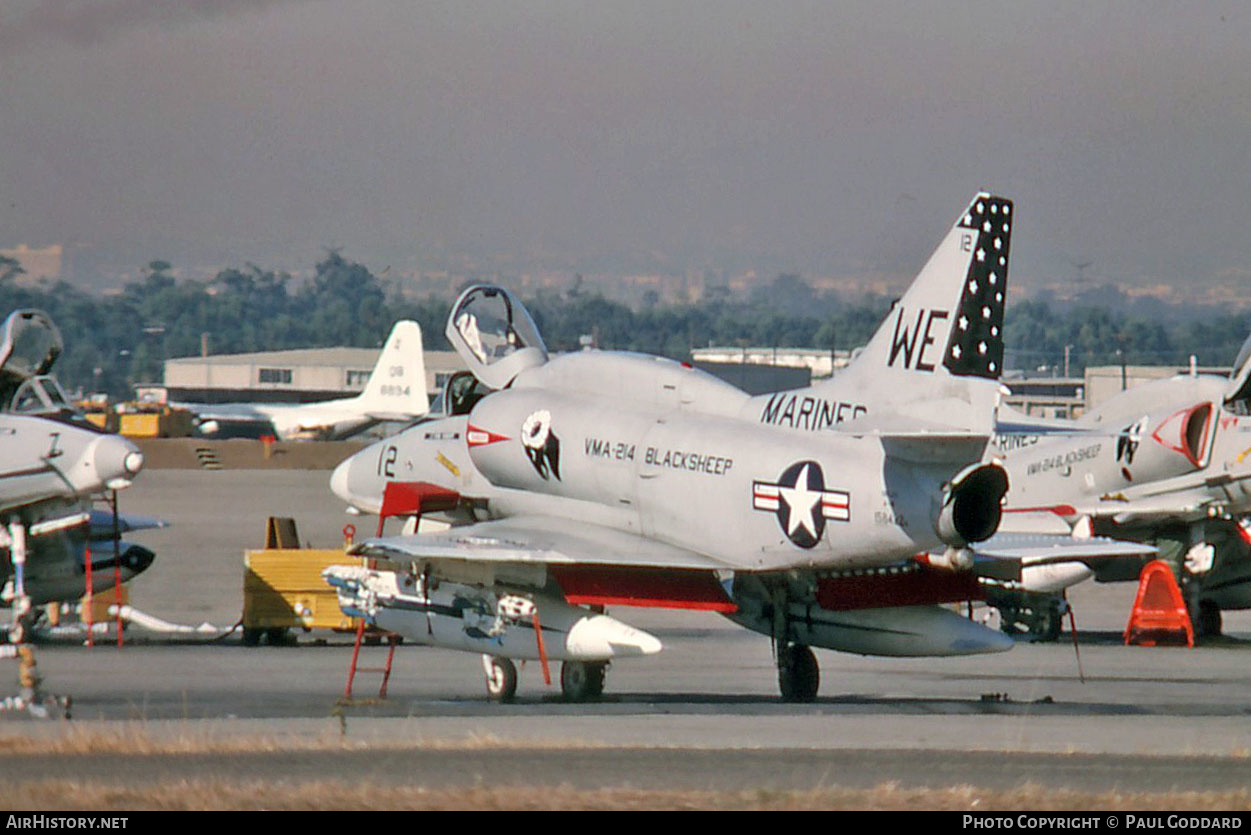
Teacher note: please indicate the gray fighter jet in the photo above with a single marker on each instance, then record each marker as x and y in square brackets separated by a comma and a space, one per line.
[598, 477]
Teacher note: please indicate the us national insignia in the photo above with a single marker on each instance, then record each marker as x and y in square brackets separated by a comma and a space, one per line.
[801, 502]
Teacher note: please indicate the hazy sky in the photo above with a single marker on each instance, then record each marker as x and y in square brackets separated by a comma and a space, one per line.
[829, 137]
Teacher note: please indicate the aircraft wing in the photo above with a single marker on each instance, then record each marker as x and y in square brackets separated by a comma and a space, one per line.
[395, 417]
[1184, 499]
[591, 564]
[101, 524]
[540, 540]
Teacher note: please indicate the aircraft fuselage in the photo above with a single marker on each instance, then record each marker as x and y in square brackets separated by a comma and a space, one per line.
[753, 497]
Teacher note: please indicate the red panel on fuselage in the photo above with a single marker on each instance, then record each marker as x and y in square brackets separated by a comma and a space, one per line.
[405, 498]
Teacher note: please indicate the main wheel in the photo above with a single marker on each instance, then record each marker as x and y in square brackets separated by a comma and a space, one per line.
[582, 680]
[501, 678]
[1046, 628]
[1209, 620]
[799, 677]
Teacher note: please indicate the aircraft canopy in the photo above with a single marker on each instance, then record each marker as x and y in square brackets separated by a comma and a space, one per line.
[494, 334]
[29, 344]
[1239, 392]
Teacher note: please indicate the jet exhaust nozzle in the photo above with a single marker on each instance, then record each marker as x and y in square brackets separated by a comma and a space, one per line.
[973, 505]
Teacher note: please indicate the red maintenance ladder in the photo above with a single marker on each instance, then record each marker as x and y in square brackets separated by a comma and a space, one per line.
[400, 498]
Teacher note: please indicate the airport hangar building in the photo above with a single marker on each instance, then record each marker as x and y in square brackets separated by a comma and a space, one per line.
[299, 376]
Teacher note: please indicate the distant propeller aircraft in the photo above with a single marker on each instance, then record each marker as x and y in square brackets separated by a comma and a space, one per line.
[395, 391]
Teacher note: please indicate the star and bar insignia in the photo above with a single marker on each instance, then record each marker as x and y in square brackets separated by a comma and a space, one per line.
[801, 502]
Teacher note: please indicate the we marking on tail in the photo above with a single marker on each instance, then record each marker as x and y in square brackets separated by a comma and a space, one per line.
[937, 354]
[907, 343]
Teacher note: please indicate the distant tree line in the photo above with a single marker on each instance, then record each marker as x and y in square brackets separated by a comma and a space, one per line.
[115, 341]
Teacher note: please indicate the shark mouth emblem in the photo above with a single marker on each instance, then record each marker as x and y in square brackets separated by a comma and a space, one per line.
[801, 503]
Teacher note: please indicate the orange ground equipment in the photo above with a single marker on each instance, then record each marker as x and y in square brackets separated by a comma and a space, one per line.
[1159, 615]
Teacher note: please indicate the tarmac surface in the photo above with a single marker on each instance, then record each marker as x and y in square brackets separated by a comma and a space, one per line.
[703, 714]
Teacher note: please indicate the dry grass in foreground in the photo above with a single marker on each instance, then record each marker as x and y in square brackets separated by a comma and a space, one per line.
[137, 740]
[198, 795]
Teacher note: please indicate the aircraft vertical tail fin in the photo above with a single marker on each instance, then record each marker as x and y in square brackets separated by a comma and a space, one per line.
[939, 352]
[397, 387]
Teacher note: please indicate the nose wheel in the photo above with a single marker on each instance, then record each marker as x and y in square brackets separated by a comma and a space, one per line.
[799, 677]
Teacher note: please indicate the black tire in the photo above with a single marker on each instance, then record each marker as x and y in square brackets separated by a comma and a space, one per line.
[501, 681]
[252, 636]
[799, 677]
[276, 636]
[1209, 621]
[582, 680]
[1046, 629]
[1008, 620]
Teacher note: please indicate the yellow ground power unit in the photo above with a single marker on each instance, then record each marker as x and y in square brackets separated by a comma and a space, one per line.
[283, 588]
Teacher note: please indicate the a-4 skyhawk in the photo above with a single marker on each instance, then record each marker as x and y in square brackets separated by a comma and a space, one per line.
[602, 478]
[1167, 463]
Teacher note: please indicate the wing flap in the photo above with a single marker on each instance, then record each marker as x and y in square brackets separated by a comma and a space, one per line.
[667, 588]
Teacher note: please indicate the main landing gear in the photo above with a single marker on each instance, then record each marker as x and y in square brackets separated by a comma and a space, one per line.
[799, 677]
[580, 681]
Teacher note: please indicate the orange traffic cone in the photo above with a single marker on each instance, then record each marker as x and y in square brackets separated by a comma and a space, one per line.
[1159, 615]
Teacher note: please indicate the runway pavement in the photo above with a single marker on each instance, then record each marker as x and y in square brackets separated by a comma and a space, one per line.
[704, 713]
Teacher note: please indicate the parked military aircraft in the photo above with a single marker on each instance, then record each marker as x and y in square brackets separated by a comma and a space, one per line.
[1164, 463]
[600, 477]
[395, 391]
[51, 462]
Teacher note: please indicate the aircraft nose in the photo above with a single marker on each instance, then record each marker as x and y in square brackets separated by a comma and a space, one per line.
[339, 480]
[116, 460]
